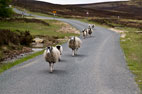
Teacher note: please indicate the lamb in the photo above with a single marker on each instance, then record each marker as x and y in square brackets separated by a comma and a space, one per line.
[52, 55]
[74, 44]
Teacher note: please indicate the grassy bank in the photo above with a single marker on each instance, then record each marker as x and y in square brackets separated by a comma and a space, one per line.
[132, 46]
[36, 28]
[5, 66]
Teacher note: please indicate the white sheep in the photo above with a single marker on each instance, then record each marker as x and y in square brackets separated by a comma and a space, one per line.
[52, 55]
[84, 33]
[74, 44]
[89, 26]
[60, 48]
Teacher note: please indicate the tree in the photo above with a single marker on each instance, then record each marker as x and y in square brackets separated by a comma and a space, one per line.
[5, 10]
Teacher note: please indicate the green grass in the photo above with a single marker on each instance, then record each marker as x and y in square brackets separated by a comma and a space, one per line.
[36, 28]
[8, 65]
[132, 47]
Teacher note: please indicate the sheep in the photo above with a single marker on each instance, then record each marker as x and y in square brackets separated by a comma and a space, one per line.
[90, 30]
[93, 26]
[74, 44]
[85, 32]
[89, 26]
[52, 55]
[60, 48]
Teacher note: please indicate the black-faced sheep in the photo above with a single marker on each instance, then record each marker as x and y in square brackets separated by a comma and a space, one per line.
[74, 44]
[52, 55]
[60, 48]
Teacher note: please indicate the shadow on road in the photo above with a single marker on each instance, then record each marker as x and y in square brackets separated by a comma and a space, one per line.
[56, 71]
[63, 61]
[78, 55]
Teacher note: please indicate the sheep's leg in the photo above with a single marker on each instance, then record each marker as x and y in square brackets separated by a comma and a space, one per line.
[76, 51]
[84, 37]
[52, 65]
[73, 52]
[51, 68]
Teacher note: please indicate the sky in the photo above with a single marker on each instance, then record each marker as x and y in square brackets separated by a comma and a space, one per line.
[76, 1]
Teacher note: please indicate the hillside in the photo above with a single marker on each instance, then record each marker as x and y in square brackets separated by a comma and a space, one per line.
[113, 9]
[128, 8]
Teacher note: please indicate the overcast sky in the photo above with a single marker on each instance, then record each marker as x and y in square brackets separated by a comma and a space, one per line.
[77, 1]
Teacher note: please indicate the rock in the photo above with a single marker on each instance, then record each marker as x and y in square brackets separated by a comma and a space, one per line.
[123, 35]
[38, 40]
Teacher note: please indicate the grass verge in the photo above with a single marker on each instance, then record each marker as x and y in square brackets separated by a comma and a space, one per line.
[8, 65]
[132, 47]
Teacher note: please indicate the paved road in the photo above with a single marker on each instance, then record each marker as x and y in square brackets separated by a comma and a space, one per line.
[99, 68]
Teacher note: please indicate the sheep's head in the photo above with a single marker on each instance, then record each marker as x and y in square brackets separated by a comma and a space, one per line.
[72, 40]
[49, 49]
[83, 30]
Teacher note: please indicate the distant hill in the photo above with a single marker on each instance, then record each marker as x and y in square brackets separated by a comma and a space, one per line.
[131, 10]
[120, 7]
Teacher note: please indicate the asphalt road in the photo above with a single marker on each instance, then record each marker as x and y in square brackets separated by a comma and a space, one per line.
[99, 68]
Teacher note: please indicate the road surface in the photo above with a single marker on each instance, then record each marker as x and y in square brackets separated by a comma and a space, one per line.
[99, 68]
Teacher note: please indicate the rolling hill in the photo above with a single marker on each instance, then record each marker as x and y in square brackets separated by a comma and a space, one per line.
[130, 10]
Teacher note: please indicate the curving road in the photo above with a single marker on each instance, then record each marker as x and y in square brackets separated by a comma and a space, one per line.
[99, 68]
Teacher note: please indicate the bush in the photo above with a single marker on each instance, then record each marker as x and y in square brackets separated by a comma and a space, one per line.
[5, 10]
[8, 37]
[25, 38]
